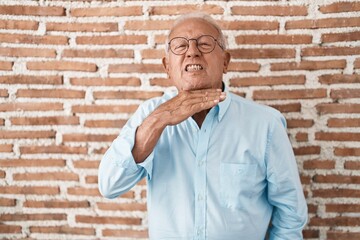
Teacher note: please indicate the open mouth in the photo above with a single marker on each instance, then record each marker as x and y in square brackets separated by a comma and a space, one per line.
[193, 67]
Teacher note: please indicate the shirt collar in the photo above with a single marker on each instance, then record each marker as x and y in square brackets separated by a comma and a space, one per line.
[224, 105]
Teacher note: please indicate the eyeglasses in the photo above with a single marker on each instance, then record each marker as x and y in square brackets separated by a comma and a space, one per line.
[205, 44]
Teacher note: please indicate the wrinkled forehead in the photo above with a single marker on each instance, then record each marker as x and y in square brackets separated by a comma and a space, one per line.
[193, 28]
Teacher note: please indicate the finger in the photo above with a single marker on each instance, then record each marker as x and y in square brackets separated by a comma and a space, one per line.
[205, 98]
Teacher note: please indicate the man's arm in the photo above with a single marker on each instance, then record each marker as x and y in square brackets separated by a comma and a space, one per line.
[285, 192]
[129, 157]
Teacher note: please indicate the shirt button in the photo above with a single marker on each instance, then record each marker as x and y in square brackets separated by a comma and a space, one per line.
[200, 163]
[200, 197]
[198, 231]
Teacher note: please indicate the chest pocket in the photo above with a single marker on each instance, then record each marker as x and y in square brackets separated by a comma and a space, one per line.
[237, 181]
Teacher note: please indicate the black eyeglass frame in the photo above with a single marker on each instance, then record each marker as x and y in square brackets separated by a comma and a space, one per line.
[197, 44]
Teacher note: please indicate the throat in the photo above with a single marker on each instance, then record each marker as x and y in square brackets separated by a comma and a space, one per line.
[200, 117]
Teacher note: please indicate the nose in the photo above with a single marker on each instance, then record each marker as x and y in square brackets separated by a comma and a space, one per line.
[193, 50]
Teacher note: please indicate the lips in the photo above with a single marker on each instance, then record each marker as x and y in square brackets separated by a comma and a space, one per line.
[193, 67]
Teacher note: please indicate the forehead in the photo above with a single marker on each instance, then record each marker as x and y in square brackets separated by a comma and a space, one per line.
[193, 27]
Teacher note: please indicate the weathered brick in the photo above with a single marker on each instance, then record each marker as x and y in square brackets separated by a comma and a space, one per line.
[309, 150]
[345, 93]
[56, 204]
[309, 65]
[343, 122]
[7, 202]
[143, 95]
[28, 79]
[267, 81]
[107, 220]
[79, 137]
[5, 229]
[6, 148]
[309, 233]
[325, 108]
[289, 94]
[104, 108]
[323, 23]
[4, 93]
[105, 123]
[152, 53]
[59, 120]
[302, 137]
[246, 53]
[125, 233]
[46, 176]
[342, 208]
[63, 230]
[53, 149]
[319, 164]
[353, 165]
[32, 10]
[131, 81]
[79, 191]
[243, 67]
[339, 78]
[357, 63]
[33, 39]
[27, 52]
[162, 82]
[138, 68]
[98, 53]
[270, 10]
[106, 11]
[329, 51]
[32, 217]
[183, 9]
[290, 107]
[273, 39]
[148, 25]
[340, 37]
[337, 136]
[33, 163]
[112, 40]
[62, 66]
[299, 123]
[29, 190]
[336, 192]
[16, 24]
[347, 151]
[335, 221]
[338, 7]
[121, 207]
[249, 25]
[81, 27]
[4, 65]
[50, 93]
[332, 178]
[336, 235]
[86, 164]
[8, 134]
[19, 106]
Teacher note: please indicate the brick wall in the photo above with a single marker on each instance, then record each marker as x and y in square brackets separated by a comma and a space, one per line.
[72, 72]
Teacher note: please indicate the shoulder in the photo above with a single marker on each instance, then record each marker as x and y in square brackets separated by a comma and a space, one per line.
[257, 112]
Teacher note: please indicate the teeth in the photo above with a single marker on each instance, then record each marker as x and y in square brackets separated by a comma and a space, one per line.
[193, 67]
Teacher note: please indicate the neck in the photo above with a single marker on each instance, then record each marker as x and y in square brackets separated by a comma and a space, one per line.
[200, 117]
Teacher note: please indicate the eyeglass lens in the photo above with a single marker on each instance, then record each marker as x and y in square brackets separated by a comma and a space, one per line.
[180, 45]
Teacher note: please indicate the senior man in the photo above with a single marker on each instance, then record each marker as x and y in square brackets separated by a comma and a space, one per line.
[217, 166]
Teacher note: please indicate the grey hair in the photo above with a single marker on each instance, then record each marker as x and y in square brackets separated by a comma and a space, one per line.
[197, 15]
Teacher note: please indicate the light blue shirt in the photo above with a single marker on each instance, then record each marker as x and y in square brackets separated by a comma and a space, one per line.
[223, 181]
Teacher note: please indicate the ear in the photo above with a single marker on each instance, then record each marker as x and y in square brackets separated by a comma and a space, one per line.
[227, 58]
[165, 63]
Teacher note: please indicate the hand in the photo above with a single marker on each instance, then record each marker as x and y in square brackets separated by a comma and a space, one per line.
[188, 103]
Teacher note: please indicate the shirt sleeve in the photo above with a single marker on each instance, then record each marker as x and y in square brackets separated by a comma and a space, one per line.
[118, 171]
[285, 192]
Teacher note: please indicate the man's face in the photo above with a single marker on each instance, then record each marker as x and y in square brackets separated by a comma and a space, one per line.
[194, 69]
